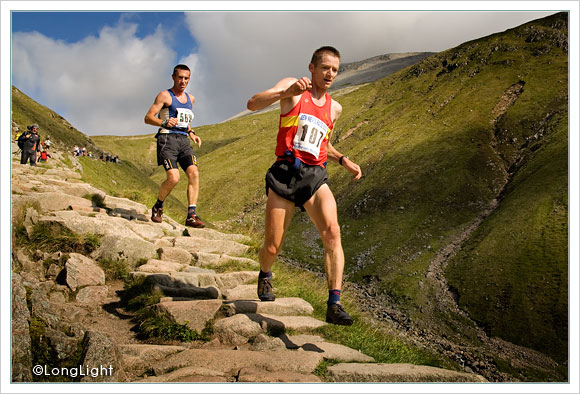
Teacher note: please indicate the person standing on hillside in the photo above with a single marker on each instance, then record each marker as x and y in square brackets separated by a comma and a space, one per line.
[172, 113]
[298, 178]
[29, 143]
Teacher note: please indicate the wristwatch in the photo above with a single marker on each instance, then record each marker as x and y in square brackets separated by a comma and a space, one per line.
[340, 160]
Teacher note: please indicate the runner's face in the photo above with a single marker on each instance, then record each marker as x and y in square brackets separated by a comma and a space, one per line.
[181, 79]
[325, 71]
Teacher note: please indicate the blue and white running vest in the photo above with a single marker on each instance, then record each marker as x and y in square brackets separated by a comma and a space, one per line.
[183, 113]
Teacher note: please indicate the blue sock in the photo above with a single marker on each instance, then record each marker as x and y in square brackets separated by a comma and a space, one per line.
[333, 297]
[263, 275]
[191, 211]
[159, 204]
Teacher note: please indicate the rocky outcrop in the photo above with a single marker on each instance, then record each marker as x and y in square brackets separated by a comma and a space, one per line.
[193, 314]
[21, 354]
[82, 271]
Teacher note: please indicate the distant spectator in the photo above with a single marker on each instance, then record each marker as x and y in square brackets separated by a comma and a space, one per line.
[44, 156]
[47, 142]
[29, 143]
[84, 151]
[18, 134]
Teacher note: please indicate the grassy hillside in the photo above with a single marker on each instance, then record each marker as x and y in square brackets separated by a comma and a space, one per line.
[439, 143]
[26, 111]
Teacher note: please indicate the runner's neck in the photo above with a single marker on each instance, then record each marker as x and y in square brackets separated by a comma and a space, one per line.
[179, 94]
[318, 96]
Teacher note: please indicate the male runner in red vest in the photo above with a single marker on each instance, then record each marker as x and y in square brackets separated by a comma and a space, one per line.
[172, 113]
[298, 177]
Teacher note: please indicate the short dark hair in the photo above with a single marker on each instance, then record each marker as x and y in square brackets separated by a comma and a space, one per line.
[180, 67]
[317, 55]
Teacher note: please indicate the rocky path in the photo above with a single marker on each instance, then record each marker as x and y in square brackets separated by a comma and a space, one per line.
[68, 298]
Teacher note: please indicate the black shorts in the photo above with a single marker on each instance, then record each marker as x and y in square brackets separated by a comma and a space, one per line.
[172, 149]
[295, 185]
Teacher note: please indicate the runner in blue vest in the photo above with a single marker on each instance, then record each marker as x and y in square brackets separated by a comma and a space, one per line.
[172, 113]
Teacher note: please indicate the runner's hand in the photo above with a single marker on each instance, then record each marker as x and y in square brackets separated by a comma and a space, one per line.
[171, 122]
[299, 87]
[195, 139]
[353, 168]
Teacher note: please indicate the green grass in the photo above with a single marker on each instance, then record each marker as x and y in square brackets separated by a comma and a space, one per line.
[534, 287]
[55, 238]
[152, 325]
[26, 111]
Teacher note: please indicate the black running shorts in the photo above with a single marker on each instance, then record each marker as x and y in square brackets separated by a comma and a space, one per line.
[297, 186]
[173, 149]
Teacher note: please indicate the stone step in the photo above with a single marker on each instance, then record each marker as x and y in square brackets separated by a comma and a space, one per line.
[178, 255]
[364, 372]
[283, 323]
[197, 279]
[195, 244]
[190, 374]
[194, 314]
[237, 330]
[211, 234]
[137, 358]
[204, 259]
[124, 204]
[252, 375]
[159, 266]
[51, 201]
[241, 292]
[232, 361]
[280, 307]
[128, 248]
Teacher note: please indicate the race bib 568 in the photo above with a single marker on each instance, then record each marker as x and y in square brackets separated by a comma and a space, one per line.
[184, 117]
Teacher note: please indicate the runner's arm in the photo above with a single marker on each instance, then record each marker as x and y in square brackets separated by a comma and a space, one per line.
[151, 116]
[287, 88]
[350, 165]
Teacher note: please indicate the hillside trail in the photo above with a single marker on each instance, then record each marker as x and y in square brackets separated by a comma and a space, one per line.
[248, 340]
[480, 359]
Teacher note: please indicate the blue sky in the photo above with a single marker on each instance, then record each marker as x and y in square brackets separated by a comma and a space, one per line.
[102, 70]
[74, 26]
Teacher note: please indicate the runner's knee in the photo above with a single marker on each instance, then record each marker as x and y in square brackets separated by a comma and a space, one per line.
[331, 235]
[272, 248]
[192, 172]
[172, 177]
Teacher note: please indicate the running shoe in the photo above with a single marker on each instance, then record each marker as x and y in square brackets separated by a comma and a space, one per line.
[335, 314]
[194, 221]
[156, 214]
[265, 290]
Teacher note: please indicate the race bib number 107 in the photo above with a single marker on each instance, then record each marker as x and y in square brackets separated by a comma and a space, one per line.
[310, 134]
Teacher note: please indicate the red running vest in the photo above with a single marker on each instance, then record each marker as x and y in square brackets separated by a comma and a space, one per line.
[305, 130]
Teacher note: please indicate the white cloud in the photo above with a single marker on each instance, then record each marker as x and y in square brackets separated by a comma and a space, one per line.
[102, 85]
[241, 53]
[105, 84]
